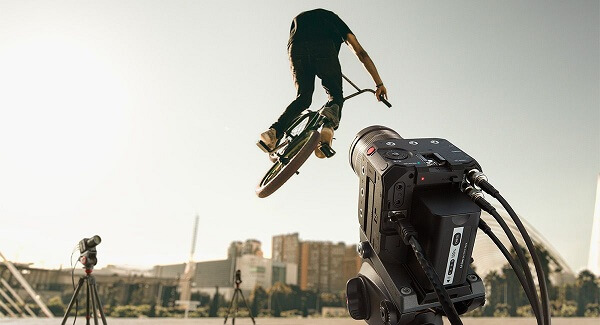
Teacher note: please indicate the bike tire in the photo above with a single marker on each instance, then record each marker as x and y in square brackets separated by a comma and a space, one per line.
[279, 173]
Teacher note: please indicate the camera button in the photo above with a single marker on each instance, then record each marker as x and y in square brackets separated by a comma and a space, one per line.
[370, 151]
[397, 154]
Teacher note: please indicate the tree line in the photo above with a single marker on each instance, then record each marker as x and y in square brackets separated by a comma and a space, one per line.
[504, 297]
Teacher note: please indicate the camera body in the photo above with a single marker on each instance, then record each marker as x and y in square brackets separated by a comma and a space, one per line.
[238, 277]
[87, 251]
[420, 180]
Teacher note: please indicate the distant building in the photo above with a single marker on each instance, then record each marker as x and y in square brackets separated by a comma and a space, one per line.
[284, 273]
[235, 249]
[250, 247]
[351, 264]
[246, 257]
[286, 248]
[255, 270]
[322, 266]
[326, 267]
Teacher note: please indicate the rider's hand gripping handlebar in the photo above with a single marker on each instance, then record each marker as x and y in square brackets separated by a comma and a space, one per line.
[360, 91]
[381, 98]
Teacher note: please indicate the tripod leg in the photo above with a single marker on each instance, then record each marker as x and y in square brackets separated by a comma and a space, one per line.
[235, 311]
[230, 305]
[98, 302]
[70, 306]
[237, 307]
[247, 307]
[87, 303]
[93, 303]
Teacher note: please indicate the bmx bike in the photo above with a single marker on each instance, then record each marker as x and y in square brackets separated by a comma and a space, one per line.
[299, 140]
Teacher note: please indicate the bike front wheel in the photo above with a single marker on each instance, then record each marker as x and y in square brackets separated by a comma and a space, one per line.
[294, 156]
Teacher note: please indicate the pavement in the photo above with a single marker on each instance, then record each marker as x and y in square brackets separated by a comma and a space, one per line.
[288, 321]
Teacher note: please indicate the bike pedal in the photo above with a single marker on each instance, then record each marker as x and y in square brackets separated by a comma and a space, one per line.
[327, 150]
[263, 146]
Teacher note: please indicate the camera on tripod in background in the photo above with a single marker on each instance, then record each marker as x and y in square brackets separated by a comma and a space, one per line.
[87, 251]
[238, 277]
[410, 196]
[88, 258]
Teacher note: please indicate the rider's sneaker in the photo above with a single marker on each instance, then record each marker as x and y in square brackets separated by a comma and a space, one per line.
[332, 113]
[269, 138]
[326, 137]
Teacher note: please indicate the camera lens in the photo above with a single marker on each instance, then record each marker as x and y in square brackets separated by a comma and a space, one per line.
[93, 242]
[365, 139]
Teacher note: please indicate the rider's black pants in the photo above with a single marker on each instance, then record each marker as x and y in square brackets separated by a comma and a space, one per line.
[307, 60]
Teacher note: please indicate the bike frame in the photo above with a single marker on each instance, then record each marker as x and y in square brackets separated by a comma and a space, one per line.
[315, 121]
[291, 150]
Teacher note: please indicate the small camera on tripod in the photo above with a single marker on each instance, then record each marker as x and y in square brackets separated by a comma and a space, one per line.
[234, 305]
[88, 258]
[87, 251]
[410, 196]
[238, 277]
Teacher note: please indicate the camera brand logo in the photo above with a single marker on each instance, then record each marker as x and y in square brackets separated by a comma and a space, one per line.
[453, 255]
[456, 240]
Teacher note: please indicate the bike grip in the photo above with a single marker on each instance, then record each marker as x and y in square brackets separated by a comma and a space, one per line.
[385, 101]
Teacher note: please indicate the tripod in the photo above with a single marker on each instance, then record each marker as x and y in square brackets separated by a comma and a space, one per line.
[94, 302]
[88, 259]
[238, 280]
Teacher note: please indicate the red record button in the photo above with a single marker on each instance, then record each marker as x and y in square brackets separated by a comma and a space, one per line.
[370, 151]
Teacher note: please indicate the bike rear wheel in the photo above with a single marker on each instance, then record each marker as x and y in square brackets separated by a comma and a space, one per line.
[295, 155]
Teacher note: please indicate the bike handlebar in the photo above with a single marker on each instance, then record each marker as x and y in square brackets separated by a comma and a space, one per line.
[381, 98]
[360, 91]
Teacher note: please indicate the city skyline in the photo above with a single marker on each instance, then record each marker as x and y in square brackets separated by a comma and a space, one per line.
[126, 119]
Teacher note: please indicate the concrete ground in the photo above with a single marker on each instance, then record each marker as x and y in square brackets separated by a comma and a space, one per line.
[288, 321]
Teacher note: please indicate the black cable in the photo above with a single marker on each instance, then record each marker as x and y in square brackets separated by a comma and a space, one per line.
[536, 260]
[442, 294]
[513, 264]
[480, 180]
[486, 206]
[409, 236]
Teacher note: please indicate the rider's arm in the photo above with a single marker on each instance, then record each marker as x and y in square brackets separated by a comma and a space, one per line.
[363, 56]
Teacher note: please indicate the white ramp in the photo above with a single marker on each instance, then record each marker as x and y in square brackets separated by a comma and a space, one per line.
[13, 270]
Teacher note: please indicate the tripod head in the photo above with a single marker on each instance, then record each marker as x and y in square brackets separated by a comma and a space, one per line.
[87, 252]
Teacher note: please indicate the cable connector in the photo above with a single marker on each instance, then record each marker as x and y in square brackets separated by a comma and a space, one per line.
[484, 226]
[477, 196]
[480, 181]
[475, 176]
[403, 226]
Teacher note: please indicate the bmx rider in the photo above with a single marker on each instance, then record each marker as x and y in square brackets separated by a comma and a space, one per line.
[313, 47]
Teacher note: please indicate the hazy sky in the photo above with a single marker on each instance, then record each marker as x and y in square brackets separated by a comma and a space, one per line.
[126, 118]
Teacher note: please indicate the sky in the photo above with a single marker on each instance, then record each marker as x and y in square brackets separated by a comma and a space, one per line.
[127, 118]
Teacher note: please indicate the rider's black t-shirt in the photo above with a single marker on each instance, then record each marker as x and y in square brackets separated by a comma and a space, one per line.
[318, 25]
